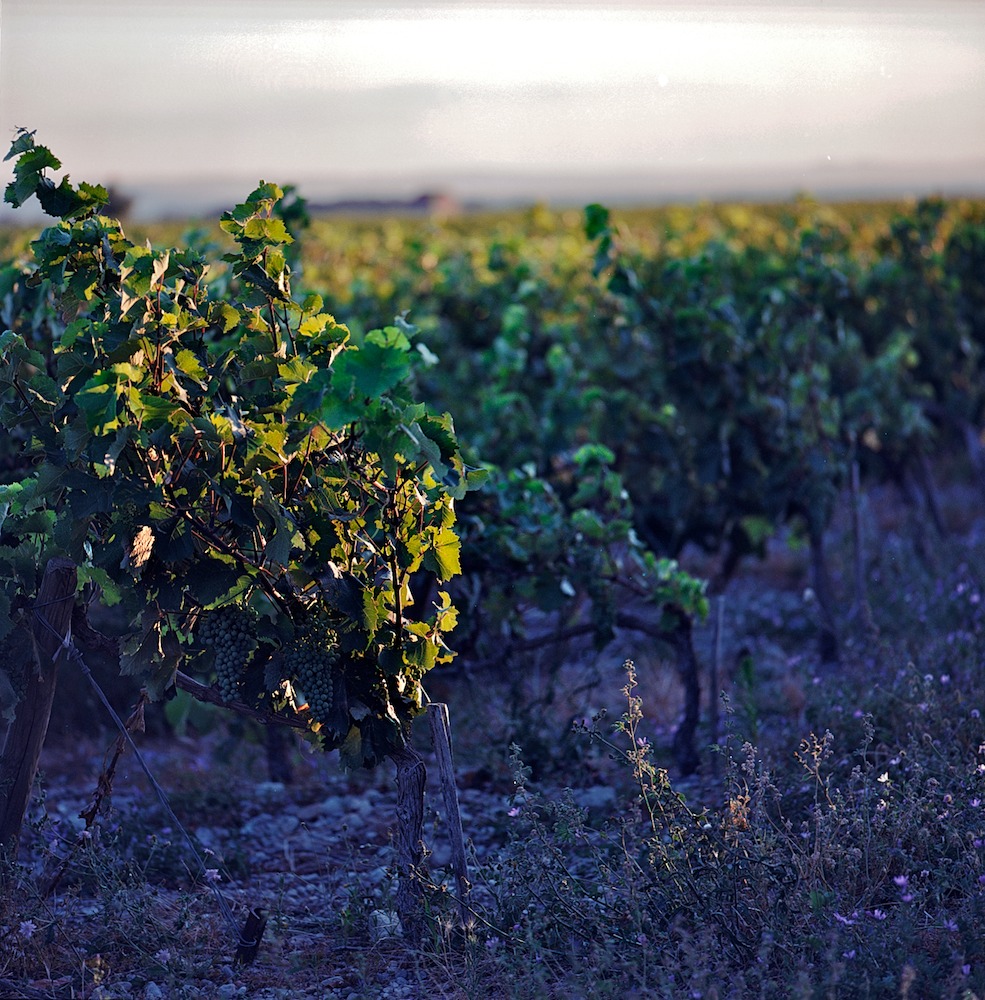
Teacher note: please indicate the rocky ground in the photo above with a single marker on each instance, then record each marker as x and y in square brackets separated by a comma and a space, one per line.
[316, 854]
[136, 916]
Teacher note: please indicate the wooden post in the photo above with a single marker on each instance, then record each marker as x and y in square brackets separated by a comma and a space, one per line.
[714, 681]
[411, 781]
[441, 738]
[685, 750]
[25, 735]
[828, 639]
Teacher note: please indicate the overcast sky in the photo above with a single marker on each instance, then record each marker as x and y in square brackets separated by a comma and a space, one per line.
[362, 96]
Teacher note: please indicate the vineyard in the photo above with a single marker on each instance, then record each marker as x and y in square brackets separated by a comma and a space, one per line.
[678, 510]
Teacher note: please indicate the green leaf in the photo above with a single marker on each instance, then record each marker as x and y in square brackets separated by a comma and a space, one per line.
[268, 230]
[375, 368]
[224, 316]
[295, 370]
[65, 202]
[22, 144]
[214, 580]
[596, 221]
[444, 553]
[109, 592]
[98, 403]
[429, 450]
[351, 750]
[374, 611]
[187, 362]
[29, 171]
[152, 412]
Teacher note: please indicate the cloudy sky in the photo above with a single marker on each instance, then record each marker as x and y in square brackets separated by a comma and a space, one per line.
[348, 97]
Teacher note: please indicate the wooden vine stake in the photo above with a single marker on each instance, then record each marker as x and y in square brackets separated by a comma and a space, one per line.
[411, 781]
[25, 735]
[714, 681]
[441, 738]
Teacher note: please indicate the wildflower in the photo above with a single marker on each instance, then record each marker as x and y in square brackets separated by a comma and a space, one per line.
[878, 914]
[212, 875]
[902, 881]
[945, 679]
[492, 943]
[642, 939]
[27, 929]
[884, 777]
[163, 956]
[515, 811]
[975, 714]
[965, 970]
[848, 954]
[847, 921]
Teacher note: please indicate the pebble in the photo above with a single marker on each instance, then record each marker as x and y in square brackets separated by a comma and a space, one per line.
[272, 828]
[383, 925]
[270, 792]
[208, 837]
[153, 992]
[597, 797]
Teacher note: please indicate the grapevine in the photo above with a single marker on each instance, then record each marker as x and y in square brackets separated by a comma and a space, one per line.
[207, 444]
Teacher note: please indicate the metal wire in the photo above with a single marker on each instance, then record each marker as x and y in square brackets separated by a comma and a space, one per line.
[72, 653]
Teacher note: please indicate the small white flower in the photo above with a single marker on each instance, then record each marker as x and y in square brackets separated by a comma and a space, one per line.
[212, 875]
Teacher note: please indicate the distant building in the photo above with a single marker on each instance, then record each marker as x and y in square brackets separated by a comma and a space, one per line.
[438, 205]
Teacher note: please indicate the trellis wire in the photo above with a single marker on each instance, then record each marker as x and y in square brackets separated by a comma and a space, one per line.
[72, 653]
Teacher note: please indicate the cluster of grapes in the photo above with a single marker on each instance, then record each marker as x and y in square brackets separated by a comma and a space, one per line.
[228, 634]
[312, 657]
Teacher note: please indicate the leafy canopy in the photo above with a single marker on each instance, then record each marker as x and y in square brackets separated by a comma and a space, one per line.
[203, 447]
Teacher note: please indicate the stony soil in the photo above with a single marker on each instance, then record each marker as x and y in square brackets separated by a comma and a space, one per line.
[317, 854]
